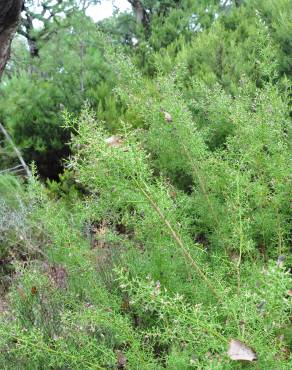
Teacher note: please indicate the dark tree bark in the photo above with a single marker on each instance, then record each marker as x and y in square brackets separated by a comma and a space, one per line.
[238, 3]
[142, 16]
[27, 24]
[47, 13]
[9, 18]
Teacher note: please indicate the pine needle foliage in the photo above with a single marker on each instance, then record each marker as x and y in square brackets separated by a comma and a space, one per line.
[176, 244]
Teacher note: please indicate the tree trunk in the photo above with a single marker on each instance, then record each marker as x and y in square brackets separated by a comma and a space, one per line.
[27, 31]
[141, 15]
[9, 17]
[238, 3]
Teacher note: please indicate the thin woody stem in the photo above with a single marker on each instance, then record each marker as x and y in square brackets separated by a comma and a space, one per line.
[21, 160]
[178, 239]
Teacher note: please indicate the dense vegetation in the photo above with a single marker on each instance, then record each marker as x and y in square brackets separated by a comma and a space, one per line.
[156, 227]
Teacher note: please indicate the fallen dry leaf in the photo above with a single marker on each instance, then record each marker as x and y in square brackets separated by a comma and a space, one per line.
[167, 116]
[99, 235]
[33, 290]
[156, 290]
[21, 293]
[4, 306]
[121, 360]
[125, 306]
[280, 260]
[238, 351]
[173, 194]
[114, 141]
[58, 275]
[262, 306]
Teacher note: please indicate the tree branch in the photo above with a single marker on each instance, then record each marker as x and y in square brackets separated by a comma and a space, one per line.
[17, 152]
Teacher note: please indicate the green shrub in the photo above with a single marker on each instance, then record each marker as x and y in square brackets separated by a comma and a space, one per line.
[164, 242]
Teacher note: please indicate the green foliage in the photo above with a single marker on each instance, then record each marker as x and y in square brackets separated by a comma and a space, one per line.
[226, 53]
[278, 17]
[69, 71]
[168, 234]
[9, 186]
[157, 306]
[253, 154]
[18, 236]
[71, 68]
[60, 303]
[30, 109]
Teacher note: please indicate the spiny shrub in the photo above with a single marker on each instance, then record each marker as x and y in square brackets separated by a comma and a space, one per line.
[168, 303]
[61, 314]
[125, 191]
[171, 251]
[20, 236]
[235, 161]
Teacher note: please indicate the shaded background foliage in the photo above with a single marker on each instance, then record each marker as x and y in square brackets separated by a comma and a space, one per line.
[64, 66]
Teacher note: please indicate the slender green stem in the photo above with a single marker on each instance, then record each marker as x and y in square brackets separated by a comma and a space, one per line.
[176, 237]
[47, 348]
